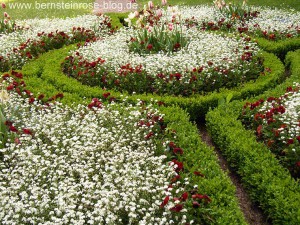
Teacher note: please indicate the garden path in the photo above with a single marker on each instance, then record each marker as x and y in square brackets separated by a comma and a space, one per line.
[253, 214]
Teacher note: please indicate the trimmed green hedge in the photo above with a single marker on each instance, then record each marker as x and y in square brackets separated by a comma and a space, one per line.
[224, 208]
[268, 182]
[48, 68]
[279, 48]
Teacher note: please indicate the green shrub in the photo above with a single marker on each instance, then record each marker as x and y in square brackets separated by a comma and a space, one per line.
[48, 68]
[199, 157]
[269, 184]
[279, 48]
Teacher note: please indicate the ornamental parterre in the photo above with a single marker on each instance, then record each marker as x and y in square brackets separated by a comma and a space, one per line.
[35, 36]
[207, 62]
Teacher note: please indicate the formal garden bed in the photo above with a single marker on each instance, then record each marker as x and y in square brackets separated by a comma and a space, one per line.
[96, 121]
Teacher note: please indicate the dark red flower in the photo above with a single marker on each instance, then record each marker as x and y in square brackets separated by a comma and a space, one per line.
[179, 165]
[290, 141]
[27, 131]
[165, 201]
[184, 196]
[176, 178]
[41, 96]
[196, 205]
[298, 138]
[259, 129]
[199, 196]
[149, 135]
[105, 95]
[178, 151]
[13, 129]
[298, 163]
[177, 208]
[31, 100]
[149, 47]
[197, 173]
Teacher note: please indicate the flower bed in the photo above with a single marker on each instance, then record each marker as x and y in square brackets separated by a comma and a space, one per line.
[277, 123]
[89, 153]
[209, 62]
[33, 37]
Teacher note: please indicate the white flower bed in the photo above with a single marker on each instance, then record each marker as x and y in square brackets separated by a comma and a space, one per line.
[203, 47]
[275, 20]
[268, 19]
[32, 27]
[82, 166]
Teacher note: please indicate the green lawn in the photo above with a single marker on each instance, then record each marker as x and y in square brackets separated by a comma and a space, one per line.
[60, 8]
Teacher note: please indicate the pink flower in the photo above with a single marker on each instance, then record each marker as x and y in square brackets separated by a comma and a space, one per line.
[170, 26]
[3, 5]
[150, 5]
[158, 13]
[164, 2]
[5, 14]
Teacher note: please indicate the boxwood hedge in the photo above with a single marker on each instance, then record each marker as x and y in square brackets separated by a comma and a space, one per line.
[269, 184]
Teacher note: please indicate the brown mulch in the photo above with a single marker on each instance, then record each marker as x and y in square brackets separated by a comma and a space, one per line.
[253, 214]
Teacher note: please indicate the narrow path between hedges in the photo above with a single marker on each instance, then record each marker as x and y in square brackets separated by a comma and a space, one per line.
[252, 212]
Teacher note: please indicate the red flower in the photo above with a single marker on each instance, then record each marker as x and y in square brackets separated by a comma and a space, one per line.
[41, 96]
[259, 129]
[197, 173]
[165, 201]
[10, 87]
[31, 100]
[176, 178]
[199, 196]
[105, 95]
[13, 129]
[149, 47]
[27, 131]
[178, 151]
[298, 163]
[59, 95]
[149, 135]
[3, 5]
[290, 141]
[298, 138]
[184, 196]
[196, 205]
[177, 208]
[179, 165]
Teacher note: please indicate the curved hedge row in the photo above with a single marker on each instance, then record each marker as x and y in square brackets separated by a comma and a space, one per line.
[279, 48]
[47, 70]
[224, 208]
[268, 183]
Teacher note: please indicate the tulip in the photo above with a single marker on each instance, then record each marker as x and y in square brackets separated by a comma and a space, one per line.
[150, 5]
[158, 12]
[3, 5]
[164, 2]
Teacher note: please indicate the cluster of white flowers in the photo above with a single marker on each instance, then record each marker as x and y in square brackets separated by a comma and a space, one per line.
[268, 19]
[83, 166]
[291, 116]
[30, 29]
[203, 47]
[275, 20]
